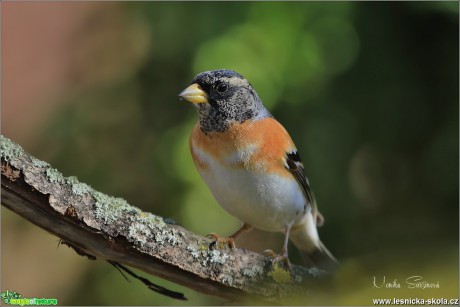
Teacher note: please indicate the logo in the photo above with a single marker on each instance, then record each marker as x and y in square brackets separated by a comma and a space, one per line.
[16, 299]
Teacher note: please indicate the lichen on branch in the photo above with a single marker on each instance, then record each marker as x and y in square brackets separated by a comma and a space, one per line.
[108, 227]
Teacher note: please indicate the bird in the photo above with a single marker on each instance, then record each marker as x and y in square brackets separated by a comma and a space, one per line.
[252, 167]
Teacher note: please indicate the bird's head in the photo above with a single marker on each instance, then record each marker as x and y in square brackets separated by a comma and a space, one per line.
[223, 97]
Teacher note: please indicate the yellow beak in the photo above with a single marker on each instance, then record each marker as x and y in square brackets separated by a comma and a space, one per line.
[194, 94]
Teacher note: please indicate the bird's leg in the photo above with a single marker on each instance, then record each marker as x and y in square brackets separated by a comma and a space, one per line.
[230, 241]
[283, 255]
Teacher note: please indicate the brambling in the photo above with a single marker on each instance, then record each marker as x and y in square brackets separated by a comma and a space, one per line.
[251, 165]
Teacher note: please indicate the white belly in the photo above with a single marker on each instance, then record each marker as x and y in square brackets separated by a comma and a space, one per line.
[266, 202]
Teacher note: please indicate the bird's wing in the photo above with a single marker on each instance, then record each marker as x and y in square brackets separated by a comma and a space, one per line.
[295, 166]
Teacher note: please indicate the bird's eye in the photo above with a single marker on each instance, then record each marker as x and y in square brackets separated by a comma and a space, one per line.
[222, 87]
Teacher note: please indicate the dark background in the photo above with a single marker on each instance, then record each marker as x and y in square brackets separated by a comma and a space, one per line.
[368, 91]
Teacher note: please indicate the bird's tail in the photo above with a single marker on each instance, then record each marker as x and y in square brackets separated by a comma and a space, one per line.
[321, 258]
[314, 253]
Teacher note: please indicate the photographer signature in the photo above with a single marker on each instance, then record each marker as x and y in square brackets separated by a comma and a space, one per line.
[412, 282]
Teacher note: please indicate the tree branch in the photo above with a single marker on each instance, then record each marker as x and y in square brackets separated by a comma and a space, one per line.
[109, 228]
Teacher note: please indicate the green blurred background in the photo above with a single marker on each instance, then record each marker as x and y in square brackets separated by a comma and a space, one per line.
[368, 91]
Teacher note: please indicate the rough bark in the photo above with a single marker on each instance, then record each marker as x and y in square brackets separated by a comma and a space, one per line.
[105, 227]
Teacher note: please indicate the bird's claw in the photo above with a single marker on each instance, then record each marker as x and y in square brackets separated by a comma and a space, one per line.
[269, 253]
[283, 259]
[219, 241]
[278, 258]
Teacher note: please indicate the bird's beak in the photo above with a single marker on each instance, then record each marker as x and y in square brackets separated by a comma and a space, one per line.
[194, 94]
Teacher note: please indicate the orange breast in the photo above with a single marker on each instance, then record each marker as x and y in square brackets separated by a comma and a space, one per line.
[267, 137]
